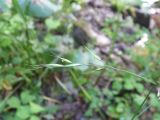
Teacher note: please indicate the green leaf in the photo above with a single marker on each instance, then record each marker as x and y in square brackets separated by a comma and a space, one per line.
[52, 109]
[13, 102]
[112, 112]
[82, 80]
[35, 108]
[17, 60]
[129, 84]
[154, 101]
[120, 108]
[139, 87]
[15, 118]
[89, 113]
[52, 24]
[5, 42]
[26, 97]
[117, 85]
[2, 105]
[138, 99]
[34, 118]
[23, 112]
[156, 116]
[52, 39]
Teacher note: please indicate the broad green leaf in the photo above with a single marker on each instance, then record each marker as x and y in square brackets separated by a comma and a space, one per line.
[27, 97]
[17, 60]
[82, 80]
[2, 105]
[156, 116]
[120, 108]
[139, 87]
[117, 85]
[138, 99]
[13, 102]
[23, 112]
[52, 39]
[35, 108]
[34, 118]
[154, 101]
[112, 112]
[5, 42]
[52, 24]
[129, 84]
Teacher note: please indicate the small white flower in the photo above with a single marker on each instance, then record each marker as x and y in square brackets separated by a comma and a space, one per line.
[143, 40]
[148, 3]
[76, 7]
[158, 93]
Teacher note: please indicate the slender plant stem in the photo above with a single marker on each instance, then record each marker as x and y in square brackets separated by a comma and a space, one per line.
[142, 104]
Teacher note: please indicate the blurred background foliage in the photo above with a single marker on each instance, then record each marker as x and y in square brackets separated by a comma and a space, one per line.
[51, 71]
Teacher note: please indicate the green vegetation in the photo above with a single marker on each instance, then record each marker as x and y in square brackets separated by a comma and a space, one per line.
[41, 72]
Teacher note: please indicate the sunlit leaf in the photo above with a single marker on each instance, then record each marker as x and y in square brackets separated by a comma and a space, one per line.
[34, 118]
[52, 24]
[26, 97]
[23, 112]
[13, 102]
[35, 108]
